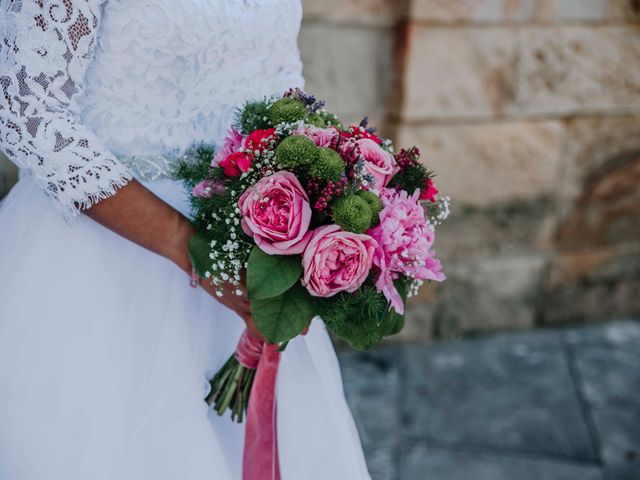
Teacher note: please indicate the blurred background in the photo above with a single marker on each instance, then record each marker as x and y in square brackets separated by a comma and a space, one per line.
[529, 112]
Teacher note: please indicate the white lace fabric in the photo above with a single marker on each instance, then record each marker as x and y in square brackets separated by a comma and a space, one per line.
[88, 82]
[45, 50]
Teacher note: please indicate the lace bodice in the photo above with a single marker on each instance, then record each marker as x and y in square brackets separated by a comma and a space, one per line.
[86, 83]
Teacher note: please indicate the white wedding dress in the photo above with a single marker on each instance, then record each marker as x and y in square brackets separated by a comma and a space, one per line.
[105, 350]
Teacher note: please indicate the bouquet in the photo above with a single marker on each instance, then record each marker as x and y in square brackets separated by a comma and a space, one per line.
[324, 219]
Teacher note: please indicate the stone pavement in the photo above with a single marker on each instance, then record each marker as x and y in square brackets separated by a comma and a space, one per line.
[544, 405]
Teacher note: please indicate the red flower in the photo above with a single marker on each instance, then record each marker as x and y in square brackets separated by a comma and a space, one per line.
[259, 139]
[360, 133]
[428, 191]
[235, 164]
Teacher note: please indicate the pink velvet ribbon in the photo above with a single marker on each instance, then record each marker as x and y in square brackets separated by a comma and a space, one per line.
[260, 458]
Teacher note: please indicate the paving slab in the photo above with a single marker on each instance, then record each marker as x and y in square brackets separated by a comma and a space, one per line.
[373, 389]
[608, 363]
[427, 463]
[553, 405]
[511, 392]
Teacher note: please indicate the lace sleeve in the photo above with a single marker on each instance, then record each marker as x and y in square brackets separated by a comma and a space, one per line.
[45, 48]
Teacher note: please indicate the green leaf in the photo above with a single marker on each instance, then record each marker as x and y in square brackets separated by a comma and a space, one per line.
[271, 275]
[199, 251]
[283, 317]
[393, 322]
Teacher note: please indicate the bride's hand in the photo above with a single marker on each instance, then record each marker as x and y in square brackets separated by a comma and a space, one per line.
[138, 215]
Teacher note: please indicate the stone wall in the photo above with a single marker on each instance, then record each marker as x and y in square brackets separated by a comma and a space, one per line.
[529, 110]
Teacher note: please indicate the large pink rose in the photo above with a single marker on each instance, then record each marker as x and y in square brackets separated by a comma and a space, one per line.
[322, 137]
[379, 163]
[276, 214]
[336, 261]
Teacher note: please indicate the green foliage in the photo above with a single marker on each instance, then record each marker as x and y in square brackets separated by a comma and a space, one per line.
[328, 166]
[254, 115]
[411, 177]
[375, 204]
[357, 317]
[316, 119]
[296, 151]
[284, 317]
[287, 110]
[331, 120]
[271, 275]
[352, 213]
[199, 250]
[196, 166]
[394, 322]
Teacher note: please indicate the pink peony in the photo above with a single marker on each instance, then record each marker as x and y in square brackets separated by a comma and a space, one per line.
[232, 144]
[322, 137]
[207, 188]
[405, 244]
[379, 163]
[276, 214]
[336, 261]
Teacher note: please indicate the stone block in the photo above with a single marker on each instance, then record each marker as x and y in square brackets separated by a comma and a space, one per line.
[607, 212]
[572, 69]
[489, 294]
[457, 73]
[355, 81]
[594, 145]
[422, 461]
[354, 11]
[591, 284]
[506, 229]
[509, 11]
[508, 393]
[481, 165]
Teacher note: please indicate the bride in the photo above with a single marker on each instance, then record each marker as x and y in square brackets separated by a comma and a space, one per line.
[105, 350]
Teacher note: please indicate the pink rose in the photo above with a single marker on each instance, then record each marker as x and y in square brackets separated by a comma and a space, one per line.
[322, 137]
[405, 244]
[379, 163]
[236, 164]
[232, 144]
[207, 188]
[260, 139]
[429, 191]
[276, 214]
[336, 261]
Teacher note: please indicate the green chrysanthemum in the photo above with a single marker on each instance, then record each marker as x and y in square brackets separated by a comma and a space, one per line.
[316, 119]
[375, 204]
[352, 213]
[287, 110]
[254, 116]
[328, 165]
[295, 151]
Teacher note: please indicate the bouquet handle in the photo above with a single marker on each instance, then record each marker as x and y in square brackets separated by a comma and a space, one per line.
[260, 457]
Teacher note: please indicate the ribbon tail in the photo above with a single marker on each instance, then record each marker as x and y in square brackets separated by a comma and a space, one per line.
[260, 457]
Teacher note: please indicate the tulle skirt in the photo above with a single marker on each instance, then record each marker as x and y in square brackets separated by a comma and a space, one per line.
[105, 352]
